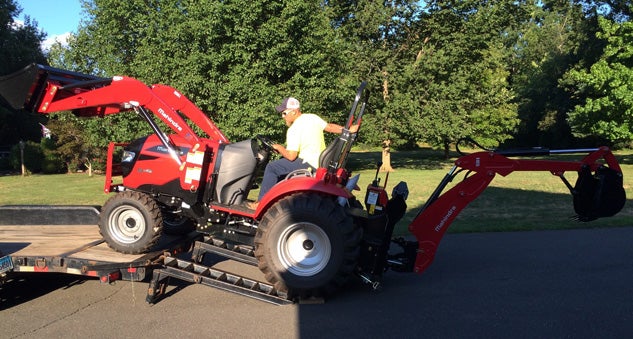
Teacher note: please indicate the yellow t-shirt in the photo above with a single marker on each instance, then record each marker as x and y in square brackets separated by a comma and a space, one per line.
[305, 136]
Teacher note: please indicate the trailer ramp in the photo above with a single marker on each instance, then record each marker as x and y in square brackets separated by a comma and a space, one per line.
[195, 272]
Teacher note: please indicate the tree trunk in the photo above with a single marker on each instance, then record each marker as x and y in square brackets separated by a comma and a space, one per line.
[89, 165]
[447, 150]
[386, 157]
[86, 162]
[386, 150]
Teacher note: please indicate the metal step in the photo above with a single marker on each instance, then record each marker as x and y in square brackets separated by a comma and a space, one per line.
[192, 272]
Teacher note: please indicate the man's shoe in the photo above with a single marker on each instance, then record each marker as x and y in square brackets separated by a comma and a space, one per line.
[251, 205]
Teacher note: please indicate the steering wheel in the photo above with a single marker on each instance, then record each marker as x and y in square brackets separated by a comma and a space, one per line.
[268, 144]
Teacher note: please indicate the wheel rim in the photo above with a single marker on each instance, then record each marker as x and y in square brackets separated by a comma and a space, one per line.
[304, 249]
[126, 224]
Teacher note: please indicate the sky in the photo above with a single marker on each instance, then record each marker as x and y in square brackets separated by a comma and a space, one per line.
[57, 18]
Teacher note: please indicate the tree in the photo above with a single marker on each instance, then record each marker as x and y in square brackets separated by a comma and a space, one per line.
[72, 145]
[550, 40]
[378, 38]
[19, 43]
[457, 84]
[19, 46]
[487, 69]
[617, 10]
[607, 86]
[236, 60]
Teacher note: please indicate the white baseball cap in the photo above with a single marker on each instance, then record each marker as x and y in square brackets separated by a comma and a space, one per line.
[288, 103]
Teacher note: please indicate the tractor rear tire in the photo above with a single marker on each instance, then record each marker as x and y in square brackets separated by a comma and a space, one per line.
[131, 222]
[307, 246]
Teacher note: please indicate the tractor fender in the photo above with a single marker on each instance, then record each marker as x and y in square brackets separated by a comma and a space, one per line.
[299, 185]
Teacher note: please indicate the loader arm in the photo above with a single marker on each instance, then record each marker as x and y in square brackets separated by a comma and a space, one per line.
[598, 191]
[182, 104]
[47, 90]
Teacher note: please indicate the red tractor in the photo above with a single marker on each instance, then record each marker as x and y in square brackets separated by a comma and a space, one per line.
[308, 234]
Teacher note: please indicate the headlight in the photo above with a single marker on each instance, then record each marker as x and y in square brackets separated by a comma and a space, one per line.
[128, 156]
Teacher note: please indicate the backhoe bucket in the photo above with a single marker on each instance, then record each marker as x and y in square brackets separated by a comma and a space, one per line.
[25, 88]
[598, 195]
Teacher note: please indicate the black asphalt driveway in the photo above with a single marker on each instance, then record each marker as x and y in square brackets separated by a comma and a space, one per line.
[546, 284]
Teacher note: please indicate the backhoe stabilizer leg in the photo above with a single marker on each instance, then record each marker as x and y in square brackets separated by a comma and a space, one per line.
[403, 260]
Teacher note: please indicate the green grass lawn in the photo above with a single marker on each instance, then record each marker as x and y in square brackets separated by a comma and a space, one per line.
[52, 189]
[520, 201]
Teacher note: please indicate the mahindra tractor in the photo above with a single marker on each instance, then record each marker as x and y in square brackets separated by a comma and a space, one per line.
[309, 234]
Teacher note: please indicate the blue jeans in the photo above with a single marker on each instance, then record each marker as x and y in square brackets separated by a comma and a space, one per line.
[277, 170]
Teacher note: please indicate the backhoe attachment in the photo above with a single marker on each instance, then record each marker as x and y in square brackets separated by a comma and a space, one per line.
[598, 191]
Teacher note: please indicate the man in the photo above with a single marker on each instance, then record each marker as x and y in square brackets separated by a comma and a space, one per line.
[304, 144]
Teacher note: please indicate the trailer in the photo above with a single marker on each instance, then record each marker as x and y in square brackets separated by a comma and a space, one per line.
[66, 239]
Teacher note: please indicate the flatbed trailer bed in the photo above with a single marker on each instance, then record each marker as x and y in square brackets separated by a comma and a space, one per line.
[80, 249]
[70, 243]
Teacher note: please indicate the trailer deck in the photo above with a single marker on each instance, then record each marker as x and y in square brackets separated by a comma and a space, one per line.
[44, 240]
[64, 247]
[78, 249]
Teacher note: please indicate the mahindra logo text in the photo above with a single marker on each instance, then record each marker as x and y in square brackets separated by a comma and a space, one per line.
[168, 118]
[443, 221]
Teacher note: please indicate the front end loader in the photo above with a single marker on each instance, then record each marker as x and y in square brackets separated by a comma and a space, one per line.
[309, 234]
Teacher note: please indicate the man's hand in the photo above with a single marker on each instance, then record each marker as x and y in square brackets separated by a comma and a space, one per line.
[338, 129]
[290, 155]
[278, 148]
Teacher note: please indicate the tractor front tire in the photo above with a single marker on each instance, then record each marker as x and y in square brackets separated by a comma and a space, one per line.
[307, 246]
[131, 222]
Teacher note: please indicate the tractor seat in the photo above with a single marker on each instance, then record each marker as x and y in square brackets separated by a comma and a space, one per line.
[325, 159]
[331, 152]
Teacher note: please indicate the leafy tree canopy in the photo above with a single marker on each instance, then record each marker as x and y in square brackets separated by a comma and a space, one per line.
[439, 70]
[19, 46]
[236, 60]
[607, 86]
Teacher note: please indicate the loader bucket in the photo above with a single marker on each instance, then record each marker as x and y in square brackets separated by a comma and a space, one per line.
[598, 195]
[25, 88]
[18, 89]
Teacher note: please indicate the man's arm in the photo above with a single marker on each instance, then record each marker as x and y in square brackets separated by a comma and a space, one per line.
[338, 129]
[290, 155]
